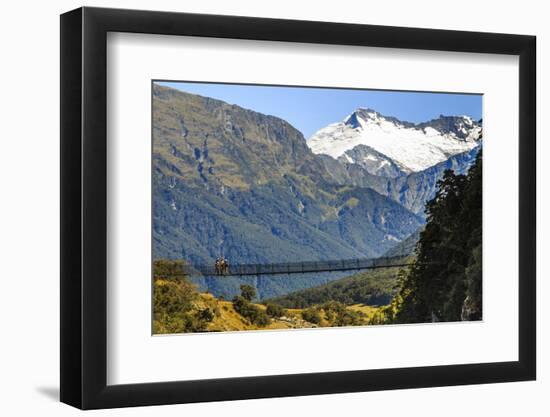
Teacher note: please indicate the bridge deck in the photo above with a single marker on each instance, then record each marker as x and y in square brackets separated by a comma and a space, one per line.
[297, 267]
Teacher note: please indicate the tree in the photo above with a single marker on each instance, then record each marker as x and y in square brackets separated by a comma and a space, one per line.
[444, 282]
[248, 292]
[471, 308]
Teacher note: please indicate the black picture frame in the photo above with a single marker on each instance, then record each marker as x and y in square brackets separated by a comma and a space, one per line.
[84, 207]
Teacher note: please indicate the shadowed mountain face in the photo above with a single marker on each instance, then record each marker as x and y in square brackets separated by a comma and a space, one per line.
[412, 191]
[239, 183]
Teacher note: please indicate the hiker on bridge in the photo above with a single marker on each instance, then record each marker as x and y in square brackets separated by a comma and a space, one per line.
[221, 266]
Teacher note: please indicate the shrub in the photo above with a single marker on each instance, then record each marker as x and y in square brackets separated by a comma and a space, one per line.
[165, 269]
[206, 315]
[248, 292]
[174, 298]
[312, 315]
[251, 312]
[339, 315]
[275, 310]
[351, 318]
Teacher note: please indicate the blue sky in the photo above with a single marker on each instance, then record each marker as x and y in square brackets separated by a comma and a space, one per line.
[310, 109]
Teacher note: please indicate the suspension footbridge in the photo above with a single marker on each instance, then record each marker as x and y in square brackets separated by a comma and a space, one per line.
[285, 268]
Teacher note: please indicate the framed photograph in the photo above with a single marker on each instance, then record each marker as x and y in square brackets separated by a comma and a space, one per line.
[257, 208]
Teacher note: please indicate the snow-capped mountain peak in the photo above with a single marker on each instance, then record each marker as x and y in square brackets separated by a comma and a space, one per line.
[359, 117]
[410, 147]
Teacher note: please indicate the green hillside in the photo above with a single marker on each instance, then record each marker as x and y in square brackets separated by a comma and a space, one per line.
[373, 287]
